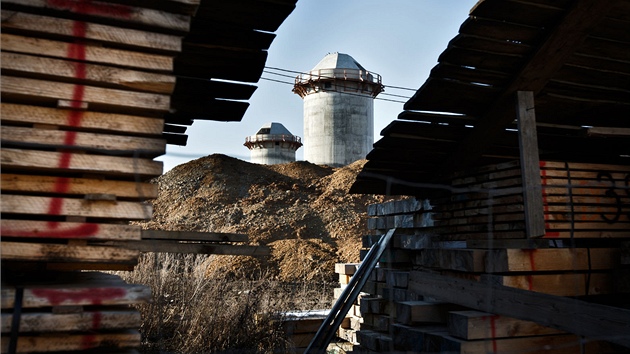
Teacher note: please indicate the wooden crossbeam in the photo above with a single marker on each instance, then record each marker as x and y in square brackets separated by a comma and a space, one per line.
[193, 236]
[194, 248]
[82, 321]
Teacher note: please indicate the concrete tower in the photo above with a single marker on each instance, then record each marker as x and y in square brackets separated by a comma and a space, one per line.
[273, 144]
[338, 110]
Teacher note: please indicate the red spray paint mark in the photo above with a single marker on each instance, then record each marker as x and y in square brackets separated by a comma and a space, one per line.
[493, 330]
[83, 230]
[532, 263]
[77, 52]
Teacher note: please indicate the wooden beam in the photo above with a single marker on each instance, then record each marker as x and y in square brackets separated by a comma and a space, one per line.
[21, 251]
[193, 248]
[551, 259]
[192, 236]
[82, 321]
[530, 165]
[471, 325]
[592, 320]
[534, 75]
[68, 230]
[71, 342]
[93, 53]
[82, 163]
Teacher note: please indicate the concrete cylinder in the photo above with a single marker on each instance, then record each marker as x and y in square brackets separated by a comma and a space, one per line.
[272, 144]
[338, 110]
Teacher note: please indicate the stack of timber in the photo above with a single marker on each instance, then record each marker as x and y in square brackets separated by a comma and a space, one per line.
[462, 275]
[85, 86]
[301, 326]
[348, 329]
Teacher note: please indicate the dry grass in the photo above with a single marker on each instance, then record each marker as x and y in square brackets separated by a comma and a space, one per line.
[196, 311]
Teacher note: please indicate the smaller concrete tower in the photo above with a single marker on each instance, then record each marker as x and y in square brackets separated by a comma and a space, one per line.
[273, 144]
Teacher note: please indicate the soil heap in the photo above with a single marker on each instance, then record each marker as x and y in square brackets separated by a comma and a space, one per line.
[302, 211]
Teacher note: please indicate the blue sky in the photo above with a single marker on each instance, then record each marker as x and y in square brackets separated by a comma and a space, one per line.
[398, 39]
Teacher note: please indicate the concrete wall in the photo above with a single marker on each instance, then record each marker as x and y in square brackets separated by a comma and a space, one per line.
[268, 153]
[338, 127]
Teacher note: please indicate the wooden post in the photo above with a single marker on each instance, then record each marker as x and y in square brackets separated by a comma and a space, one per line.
[530, 164]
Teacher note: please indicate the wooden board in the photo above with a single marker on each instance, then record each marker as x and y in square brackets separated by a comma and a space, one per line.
[103, 143]
[75, 289]
[40, 90]
[44, 252]
[90, 121]
[408, 312]
[78, 186]
[16, 204]
[130, 14]
[71, 342]
[471, 325]
[565, 284]
[68, 230]
[193, 248]
[141, 40]
[93, 53]
[95, 75]
[552, 259]
[82, 163]
[82, 321]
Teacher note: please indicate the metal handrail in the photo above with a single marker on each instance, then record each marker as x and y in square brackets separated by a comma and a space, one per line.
[272, 137]
[339, 74]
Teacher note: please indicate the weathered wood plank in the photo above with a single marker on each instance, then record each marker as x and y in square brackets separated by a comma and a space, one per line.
[193, 236]
[530, 164]
[18, 204]
[90, 121]
[20, 251]
[592, 320]
[68, 230]
[136, 15]
[552, 259]
[105, 165]
[91, 74]
[193, 248]
[83, 321]
[142, 40]
[572, 284]
[93, 53]
[77, 186]
[408, 312]
[119, 144]
[40, 89]
[471, 325]
[71, 342]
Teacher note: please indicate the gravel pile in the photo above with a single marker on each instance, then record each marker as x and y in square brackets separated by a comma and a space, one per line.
[301, 210]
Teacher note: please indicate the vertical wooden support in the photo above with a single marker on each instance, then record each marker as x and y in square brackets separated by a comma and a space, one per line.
[530, 164]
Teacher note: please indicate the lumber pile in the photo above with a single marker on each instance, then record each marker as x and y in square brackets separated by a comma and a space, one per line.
[301, 326]
[461, 275]
[85, 88]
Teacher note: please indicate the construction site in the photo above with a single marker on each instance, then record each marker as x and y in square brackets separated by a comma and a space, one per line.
[492, 215]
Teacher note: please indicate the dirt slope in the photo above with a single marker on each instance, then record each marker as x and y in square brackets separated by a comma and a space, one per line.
[301, 210]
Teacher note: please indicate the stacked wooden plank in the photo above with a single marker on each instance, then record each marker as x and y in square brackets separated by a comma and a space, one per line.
[301, 326]
[437, 286]
[85, 86]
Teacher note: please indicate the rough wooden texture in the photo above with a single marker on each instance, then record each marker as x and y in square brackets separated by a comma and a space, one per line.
[192, 236]
[530, 165]
[93, 53]
[409, 312]
[82, 321]
[75, 289]
[592, 320]
[471, 325]
[142, 40]
[16, 204]
[21, 251]
[194, 248]
[565, 284]
[552, 259]
[96, 75]
[90, 121]
[77, 186]
[68, 230]
[34, 89]
[104, 143]
[72, 342]
[104, 165]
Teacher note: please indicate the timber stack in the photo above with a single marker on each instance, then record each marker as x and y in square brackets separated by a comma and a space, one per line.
[462, 275]
[85, 88]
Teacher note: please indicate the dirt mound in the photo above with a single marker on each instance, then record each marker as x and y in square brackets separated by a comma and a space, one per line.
[301, 210]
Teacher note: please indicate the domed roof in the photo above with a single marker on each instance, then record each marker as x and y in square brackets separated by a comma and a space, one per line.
[274, 129]
[338, 61]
